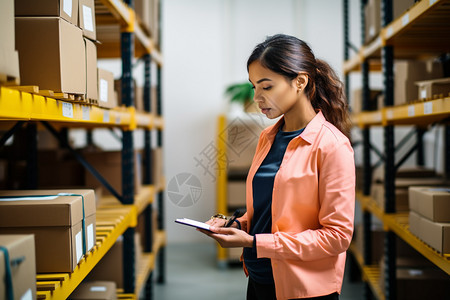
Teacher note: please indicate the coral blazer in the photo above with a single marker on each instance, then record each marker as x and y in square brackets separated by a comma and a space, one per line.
[312, 210]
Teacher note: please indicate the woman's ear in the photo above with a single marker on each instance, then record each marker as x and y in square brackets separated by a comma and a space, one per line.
[301, 82]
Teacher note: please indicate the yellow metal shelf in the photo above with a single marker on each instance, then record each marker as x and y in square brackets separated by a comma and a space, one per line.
[145, 196]
[368, 118]
[147, 263]
[420, 113]
[116, 12]
[370, 274]
[112, 221]
[410, 34]
[221, 189]
[18, 105]
[425, 112]
[399, 224]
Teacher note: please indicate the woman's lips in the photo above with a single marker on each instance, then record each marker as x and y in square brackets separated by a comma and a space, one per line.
[265, 110]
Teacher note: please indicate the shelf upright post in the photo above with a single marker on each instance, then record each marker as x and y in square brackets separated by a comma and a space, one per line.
[367, 166]
[447, 151]
[162, 252]
[420, 149]
[32, 156]
[148, 151]
[127, 54]
[387, 58]
[346, 46]
[148, 215]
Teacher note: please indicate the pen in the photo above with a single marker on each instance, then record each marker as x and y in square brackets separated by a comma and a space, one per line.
[236, 214]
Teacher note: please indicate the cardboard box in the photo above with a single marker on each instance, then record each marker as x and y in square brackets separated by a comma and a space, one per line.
[436, 235]
[372, 13]
[141, 229]
[357, 99]
[236, 193]
[241, 138]
[157, 166]
[109, 164]
[9, 63]
[66, 9]
[404, 172]
[377, 237]
[56, 220]
[56, 59]
[95, 290]
[91, 70]
[106, 96]
[155, 19]
[432, 203]
[9, 57]
[86, 18]
[234, 254]
[401, 197]
[59, 169]
[401, 6]
[422, 283]
[407, 72]
[431, 88]
[7, 25]
[110, 267]
[417, 278]
[139, 98]
[23, 274]
[143, 12]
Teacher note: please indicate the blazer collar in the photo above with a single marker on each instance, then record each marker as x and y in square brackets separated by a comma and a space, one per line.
[307, 135]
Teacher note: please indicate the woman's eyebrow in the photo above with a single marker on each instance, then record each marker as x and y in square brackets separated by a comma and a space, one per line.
[263, 79]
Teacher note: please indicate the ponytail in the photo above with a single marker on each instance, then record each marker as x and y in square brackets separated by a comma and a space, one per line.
[326, 92]
[287, 56]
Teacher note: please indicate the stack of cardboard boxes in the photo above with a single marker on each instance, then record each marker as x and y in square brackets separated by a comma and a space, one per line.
[405, 177]
[62, 222]
[57, 50]
[417, 277]
[429, 218]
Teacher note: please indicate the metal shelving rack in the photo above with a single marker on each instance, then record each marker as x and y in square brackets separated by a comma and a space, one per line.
[19, 106]
[408, 36]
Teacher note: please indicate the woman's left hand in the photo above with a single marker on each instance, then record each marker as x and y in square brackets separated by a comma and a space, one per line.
[229, 237]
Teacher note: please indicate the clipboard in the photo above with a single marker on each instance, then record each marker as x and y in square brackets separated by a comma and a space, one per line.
[193, 223]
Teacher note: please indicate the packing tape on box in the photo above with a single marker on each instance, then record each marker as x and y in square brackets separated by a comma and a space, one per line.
[8, 275]
[51, 197]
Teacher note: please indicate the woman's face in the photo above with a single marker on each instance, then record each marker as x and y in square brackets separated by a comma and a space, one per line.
[274, 94]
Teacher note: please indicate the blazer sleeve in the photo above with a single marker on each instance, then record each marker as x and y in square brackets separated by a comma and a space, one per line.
[244, 221]
[336, 191]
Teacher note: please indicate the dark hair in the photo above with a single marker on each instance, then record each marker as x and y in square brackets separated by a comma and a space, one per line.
[287, 56]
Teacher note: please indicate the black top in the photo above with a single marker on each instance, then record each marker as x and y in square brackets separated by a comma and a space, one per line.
[260, 269]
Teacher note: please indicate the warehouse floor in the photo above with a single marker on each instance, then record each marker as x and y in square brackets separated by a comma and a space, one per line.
[192, 273]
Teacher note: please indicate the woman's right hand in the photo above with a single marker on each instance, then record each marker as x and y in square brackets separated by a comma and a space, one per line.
[216, 222]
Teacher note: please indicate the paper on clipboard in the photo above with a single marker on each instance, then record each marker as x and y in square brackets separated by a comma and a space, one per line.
[193, 223]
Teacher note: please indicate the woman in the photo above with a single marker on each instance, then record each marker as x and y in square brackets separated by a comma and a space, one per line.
[300, 187]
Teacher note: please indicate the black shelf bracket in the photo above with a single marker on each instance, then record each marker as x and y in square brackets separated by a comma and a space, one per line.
[10, 133]
[63, 142]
